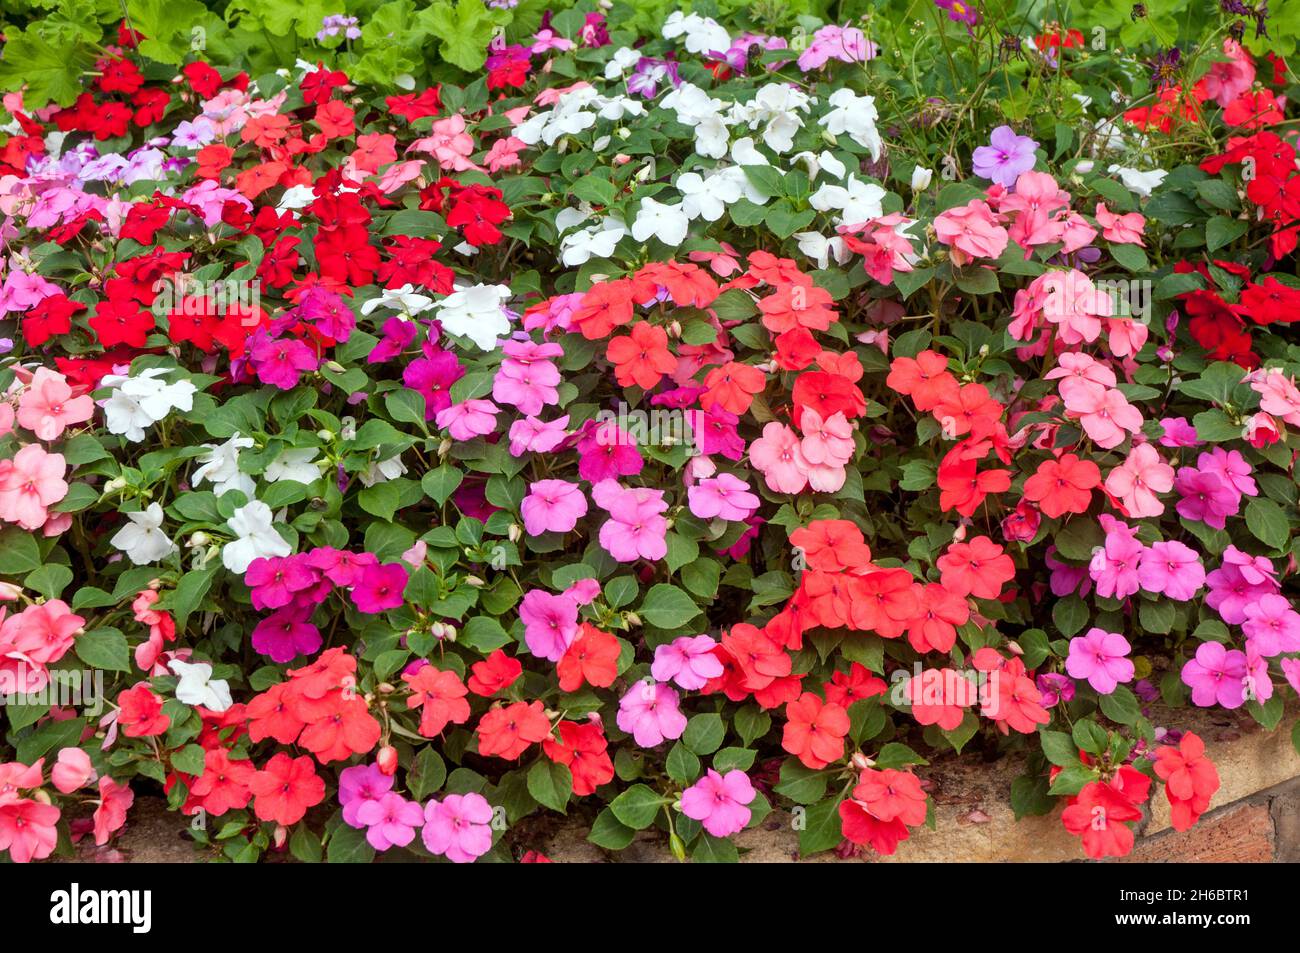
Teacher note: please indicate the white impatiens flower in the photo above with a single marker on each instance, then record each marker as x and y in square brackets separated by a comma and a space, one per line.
[476, 312]
[143, 400]
[296, 197]
[142, 538]
[816, 164]
[381, 471]
[298, 464]
[776, 108]
[569, 116]
[855, 116]
[857, 202]
[254, 527]
[1139, 183]
[402, 299]
[703, 34]
[694, 107]
[668, 223]
[921, 178]
[822, 249]
[198, 687]
[594, 241]
[708, 198]
[220, 467]
[624, 59]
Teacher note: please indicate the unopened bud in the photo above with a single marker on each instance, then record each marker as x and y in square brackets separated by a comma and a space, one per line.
[199, 539]
[385, 688]
[475, 581]
[326, 435]
[115, 485]
[631, 618]
[514, 533]
[280, 836]
[387, 760]
[861, 762]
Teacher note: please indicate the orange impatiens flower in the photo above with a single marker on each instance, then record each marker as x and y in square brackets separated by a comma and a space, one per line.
[689, 286]
[1063, 486]
[1190, 779]
[641, 357]
[440, 696]
[606, 306]
[592, 658]
[967, 410]
[832, 545]
[798, 306]
[253, 182]
[265, 131]
[814, 731]
[925, 378]
[732, 387]
[978, 568]
[962, 488]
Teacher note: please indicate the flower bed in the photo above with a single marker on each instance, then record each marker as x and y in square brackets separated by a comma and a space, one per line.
[663, 416]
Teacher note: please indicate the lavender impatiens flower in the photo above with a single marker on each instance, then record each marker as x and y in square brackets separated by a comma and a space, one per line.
[1005, 158]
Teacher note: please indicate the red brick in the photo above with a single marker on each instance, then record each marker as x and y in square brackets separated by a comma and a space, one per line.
[1238, 835]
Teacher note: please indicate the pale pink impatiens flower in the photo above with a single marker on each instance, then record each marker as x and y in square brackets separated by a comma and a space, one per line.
[449, 144]
[1139, 479]
[1216, 674]
[649, 712]
[553, 506]
[724, 496]
[778, 454]
[30, 483]
[1121, 229]
[972, 232]
[826, 442]
[459, 827]
[469, 419]
[720, 802]
[73, 770]
[1080, 375]
[1108, 419]
[47, 406]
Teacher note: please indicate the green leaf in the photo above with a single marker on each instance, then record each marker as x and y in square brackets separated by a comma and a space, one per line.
[50, 580]
[667, 607]
[682, 766]
[1070, 615]
[609, 832]
[465, 30]
[1121, 706]
[1059, 748]
[428, 773]
[1267, 521]
[822, 828]
[550, 784]
[440, 483]
[51, 74]
[704, 733]
[104, 648]
[896, 755]
[637, 807]
[596, 189]
[19, 553]
[348, 845]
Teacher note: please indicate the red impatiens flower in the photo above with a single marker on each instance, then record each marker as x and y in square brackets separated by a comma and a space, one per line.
[1100, 814]
[832, 545]
[440, 696]
[285, 789]
[121, 321]
[1063, 485]
[582, 747]
[642, 357]
[1190, 779]
[883, 805]
[606, 306]
[508, 732]
[592, 658]
[934, 628]
[50, 318]
[224, 783]
[814, 731]
[495, 673]
[846, 688]
[140, 713]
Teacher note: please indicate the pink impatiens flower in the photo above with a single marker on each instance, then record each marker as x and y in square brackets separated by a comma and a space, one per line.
[531, 435]
[550, 623]
[778, 454]
[720, 802]
[972, 232]
[47, 406]
[390, 820]
[553, 506]
[469, 419]
[828, 441]
[1107, 419]
[1171, 569]
[1272, 626]
[1114, 566]
[724, 496]
[458, 827]
[649, 713]
[1216, 674]
[30, 483]
[1123, 229]
[380, 588]
[636, 528]
[1206, 497]
[1139, 479]
[28, 829]
[687, 660]
[1101, 658]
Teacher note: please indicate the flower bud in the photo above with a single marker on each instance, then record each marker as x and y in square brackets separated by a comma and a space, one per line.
[326, 435]
[385, 688]
[475, 581]
[861, 762]
[514, 533]
[115, 485]
[9, 592]
[386, 759]
[921, 178]
[198, 539]
[279, 837]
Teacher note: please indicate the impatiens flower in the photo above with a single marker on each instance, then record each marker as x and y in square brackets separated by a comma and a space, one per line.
[641, 357]
[1114, 566]
[689, 661]
[47, 406]
[31, 482]
[1063, 485]
[282, 362]
[531, 435]
[724, 496]
[73, 770]
[143, 400]
[379, 588]
[608, 452]
[814, 731]
[1116, 803]
[508, 732]
[285, 788]
[649, 713]
[1216, 675]
[495, 673]
[778, 454]
[1191, 779]
[285, 634]
[636, 528]
[196, 686]
[971, 231]
[220, 467]
[1272, 626]
[1171, 569]
[1139, 480]
[979, 568]
[458, 827]
[720, 801]
[1006, 156]
[552, 506]
[1102, 658]
[470, 419]
[591, 659]
[390, 820]
[140, 714]
[299, 464]
[478, 313]
[28, 829]
[142, 538]
[884, 804]
[668, 223]
[358, 785]
[1206, 497]
[255, 535]
[223, 785]
[550, 623]
[1107, 417]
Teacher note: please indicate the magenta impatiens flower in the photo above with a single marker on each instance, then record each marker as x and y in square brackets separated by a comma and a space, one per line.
[553, 506]
[720, 802]
[285, 634]
[1206, 497]
[550, 623]
[380, 588]
[358, 785]
[282, 362]
[1114, 567]
[1005, 157]
[1239, 582]
[526, 378]
[1216, 675]
[274, 580]
[649, 712]
[688, 660]
[1101, 657]
[724, 496]
[432, 376]
[607, 452]
[531, 435]
[458, 827]
[1171, 569]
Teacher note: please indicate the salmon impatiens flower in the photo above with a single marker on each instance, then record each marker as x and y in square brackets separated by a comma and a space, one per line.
[814, 731]
[47, 406]
[979, 568]
[1139, 480]
[1063, 485]
[641, 357]
[30, 483]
